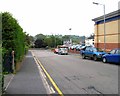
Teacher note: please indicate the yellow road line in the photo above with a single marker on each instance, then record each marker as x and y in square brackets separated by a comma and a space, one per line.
[49, 77]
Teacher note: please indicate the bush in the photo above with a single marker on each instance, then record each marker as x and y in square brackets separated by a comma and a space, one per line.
[26, 49]
[13, 37]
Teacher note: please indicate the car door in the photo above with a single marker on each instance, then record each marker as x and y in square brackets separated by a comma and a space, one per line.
[91, 51]
[111, 56]
[87, 51]
[116, 56]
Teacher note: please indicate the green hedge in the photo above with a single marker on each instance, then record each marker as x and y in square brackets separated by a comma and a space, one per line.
[13, 37]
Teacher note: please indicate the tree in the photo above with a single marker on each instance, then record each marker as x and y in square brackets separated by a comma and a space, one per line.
[13, 37]
[40, 36]
[40, 41]
[48, 41]
[29, 39]
[66, 38]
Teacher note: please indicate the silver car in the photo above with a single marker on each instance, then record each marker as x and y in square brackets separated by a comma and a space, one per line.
[63, 51]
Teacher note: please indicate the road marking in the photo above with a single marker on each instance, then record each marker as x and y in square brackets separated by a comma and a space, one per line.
[47, 86]
[52, 81]
[9, 82]
[49, 77]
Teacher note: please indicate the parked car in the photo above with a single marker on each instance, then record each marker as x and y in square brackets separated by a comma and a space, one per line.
[78, 47]
[62, 51]
[83, 49]
[113, 56]
[92, 52]
[56, 50]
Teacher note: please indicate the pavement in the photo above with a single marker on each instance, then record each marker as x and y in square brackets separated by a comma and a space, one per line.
[27, 80]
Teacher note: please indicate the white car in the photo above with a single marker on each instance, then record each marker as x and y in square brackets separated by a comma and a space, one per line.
[63, 51]
[73, 47]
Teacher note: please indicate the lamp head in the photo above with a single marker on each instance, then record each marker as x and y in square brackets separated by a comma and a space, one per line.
[95, 3]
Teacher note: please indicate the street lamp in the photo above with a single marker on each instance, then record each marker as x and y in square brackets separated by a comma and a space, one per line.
[55, 41]
[70, 35]
[104, 23]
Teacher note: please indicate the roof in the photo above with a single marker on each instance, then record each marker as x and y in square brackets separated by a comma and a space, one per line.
[107, 16]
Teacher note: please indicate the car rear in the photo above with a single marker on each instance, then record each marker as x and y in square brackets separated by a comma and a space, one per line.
[63, 51]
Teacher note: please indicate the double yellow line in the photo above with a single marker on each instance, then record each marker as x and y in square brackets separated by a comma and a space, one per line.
[49, 77]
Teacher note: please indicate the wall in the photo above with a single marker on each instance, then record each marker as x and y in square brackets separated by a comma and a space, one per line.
[112, 35]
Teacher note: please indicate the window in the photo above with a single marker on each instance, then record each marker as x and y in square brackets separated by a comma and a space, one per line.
[112, 52]
[87, 49]
[117, 51]
[94, 50]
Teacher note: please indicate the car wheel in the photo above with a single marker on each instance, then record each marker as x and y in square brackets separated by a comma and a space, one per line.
[83, 56]
[95, 57]
[104, 60]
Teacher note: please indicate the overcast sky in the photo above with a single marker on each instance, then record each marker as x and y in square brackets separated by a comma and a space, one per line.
[57, 16]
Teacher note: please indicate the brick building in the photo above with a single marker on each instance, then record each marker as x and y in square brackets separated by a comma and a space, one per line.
[112, 37]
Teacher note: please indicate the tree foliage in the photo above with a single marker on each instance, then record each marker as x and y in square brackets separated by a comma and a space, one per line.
[66, 37]
[55, 40]
[40, 41]
[13, 37]
[29, 39]
[43, 41]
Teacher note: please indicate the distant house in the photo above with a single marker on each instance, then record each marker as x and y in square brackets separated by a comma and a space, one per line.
[89, 42]
[67, 43]
[112, 36]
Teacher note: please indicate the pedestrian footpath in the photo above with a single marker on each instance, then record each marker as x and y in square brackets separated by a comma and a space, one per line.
[7, 80]
[27, 80]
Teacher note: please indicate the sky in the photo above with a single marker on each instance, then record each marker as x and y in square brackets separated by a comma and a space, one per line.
[57, 16]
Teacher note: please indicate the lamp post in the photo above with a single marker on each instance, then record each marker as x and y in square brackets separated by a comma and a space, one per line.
[55, 41]
[104, 24]
[70, 35]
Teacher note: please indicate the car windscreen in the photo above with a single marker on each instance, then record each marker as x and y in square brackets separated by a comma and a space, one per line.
[65, 49]
[118, 51]
[94, 49]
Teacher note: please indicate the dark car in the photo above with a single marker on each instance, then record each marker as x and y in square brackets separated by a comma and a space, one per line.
[113, 56]
[92, 52]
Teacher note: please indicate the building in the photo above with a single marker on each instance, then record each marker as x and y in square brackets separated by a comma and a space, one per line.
[112, 36]
[67, 43]
[89, 42]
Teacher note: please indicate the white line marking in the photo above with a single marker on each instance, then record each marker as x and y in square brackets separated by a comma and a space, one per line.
[9, 83]
[47, 86]
[49, 89]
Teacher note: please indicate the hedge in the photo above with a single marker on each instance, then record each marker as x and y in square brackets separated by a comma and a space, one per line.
[13, 37]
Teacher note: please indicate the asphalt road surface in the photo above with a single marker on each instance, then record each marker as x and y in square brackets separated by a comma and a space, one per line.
[74, 75]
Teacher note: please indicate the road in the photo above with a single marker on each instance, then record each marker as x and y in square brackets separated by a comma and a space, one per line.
[74, 75]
